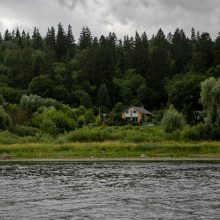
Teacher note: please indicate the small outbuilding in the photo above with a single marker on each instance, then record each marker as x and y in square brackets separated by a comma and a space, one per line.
[136, 114]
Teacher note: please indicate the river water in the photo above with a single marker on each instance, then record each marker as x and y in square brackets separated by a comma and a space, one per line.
[109, 190]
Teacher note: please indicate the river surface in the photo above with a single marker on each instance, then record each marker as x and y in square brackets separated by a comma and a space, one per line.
[109, 190]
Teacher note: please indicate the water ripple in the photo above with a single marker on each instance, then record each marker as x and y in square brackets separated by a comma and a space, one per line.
[110, 191]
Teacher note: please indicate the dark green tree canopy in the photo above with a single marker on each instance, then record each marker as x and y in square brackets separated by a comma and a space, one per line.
[105, 70]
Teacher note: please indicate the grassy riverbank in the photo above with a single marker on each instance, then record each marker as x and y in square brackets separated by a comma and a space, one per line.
[111, 150]
[105, 143]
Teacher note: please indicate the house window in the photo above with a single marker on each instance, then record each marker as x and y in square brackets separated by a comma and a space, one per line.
[135, 119]
[134, 112]
[128, 119]
[127, 112]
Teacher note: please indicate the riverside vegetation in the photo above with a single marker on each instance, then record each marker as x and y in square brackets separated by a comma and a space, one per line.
[61, 99]
[108, 142]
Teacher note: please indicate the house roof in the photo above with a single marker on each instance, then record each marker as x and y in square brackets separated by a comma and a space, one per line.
[142, 110]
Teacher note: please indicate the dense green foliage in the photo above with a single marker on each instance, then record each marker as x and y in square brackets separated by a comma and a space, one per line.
[172, 120]
[52, 84]
[101, 72]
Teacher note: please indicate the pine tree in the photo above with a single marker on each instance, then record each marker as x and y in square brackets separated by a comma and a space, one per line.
[217, 50]
[128, 45]
[193, 35]
[203, 54]
[141, 54]
[17, 33]
[159, 66]
[28, 39]
[120, 60]
[181, 52]
[95, 42]
[7, 36]
[1, 40]
[13, 34]
[61, 47]
[70, 41]
[51, 39]
[137, 47]
[18, 38]
[37, 39]
[85, 39]
[23, 35]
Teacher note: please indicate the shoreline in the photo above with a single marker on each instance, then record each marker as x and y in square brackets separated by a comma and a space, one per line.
[99, 160]
[112, 151]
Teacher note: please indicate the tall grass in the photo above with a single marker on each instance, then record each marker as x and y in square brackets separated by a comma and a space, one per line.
[123, 134]
[112, 150]
[9, 138]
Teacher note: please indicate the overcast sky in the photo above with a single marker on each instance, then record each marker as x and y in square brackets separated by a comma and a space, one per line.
[121, 16]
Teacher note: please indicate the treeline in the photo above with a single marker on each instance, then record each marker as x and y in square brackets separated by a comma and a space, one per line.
[103, 72]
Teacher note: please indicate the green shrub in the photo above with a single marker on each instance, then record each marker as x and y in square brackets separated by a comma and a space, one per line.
[80, 121]
[98, 120]
[89, 116]
[49, 127]
[5, 120]
[103, 133]
[11, 95]
[80, 111]
[210, 99]
[172, 120]
[57, 121]
[22, 130]
[32, 102]
[196, 133]
[6, 137]
[17, 114]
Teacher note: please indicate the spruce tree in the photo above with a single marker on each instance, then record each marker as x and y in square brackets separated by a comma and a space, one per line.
[159, 66]
[23, 35]
[141, 54]
[181, 52]
[37, 40]
[61, 48]
[128, 46]
[51, 39]
[203, 53]
[217, 50]
[18, 38]
[70, 42]
[1, 40]
[193, 35]
[7, 36]
[85, 39]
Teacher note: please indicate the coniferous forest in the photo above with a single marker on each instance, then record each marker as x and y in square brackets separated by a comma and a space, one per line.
[104, 74]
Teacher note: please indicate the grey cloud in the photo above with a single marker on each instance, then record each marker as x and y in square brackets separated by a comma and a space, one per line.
[71, 3]
[192, 5]
[129, 3]
[168, 14]
[121, 16]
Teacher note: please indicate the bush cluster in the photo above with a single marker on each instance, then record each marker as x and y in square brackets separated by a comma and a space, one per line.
[172, 120]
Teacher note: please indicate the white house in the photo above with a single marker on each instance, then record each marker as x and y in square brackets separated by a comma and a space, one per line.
[136, 114]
